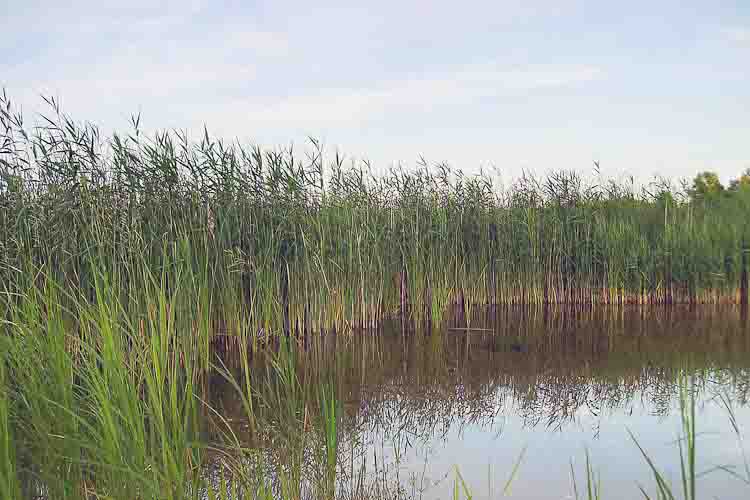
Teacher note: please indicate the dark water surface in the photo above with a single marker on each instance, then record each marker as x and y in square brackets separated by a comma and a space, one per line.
[541, 385]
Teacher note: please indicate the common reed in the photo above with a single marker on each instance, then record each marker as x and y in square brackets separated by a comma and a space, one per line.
[126, 261]
[301, 242]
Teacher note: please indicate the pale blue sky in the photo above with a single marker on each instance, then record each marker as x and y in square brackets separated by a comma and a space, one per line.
[658, 87]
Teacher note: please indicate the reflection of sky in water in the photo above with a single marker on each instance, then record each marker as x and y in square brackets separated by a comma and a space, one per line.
[486, 453]
[554, 383]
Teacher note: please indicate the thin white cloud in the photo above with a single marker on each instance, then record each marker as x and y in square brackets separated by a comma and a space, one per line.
[738, 35]
[150, 71]
[463, 86]
[213, 92]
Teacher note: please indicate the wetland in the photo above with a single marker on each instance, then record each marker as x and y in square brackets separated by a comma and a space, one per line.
[185, 319]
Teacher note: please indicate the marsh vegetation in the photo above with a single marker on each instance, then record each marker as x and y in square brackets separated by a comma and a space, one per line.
[210, 320]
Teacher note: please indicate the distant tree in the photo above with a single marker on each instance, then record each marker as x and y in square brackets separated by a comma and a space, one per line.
[706, 185]
[742, 182]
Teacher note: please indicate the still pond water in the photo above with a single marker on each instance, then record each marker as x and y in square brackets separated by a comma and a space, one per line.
[540, 388]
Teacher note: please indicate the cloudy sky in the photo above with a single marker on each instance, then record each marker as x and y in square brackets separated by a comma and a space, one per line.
[644, 87]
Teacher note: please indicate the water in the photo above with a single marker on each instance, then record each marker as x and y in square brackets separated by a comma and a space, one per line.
[538, 388]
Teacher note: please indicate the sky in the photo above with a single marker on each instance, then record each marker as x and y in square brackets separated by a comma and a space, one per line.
[643, 88]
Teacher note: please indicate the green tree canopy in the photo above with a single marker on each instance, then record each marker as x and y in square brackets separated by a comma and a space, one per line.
[742, 182]
[706, 185]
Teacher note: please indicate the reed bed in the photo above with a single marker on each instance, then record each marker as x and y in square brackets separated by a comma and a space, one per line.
[273, 240]
[127, 261]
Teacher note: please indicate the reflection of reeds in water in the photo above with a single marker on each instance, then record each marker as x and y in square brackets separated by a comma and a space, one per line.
[416, 388]
[546, 365]
[128, 410]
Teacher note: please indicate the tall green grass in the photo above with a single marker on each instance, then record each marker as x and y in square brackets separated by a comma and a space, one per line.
[274, 240]
[97, 402]
[126, 261]
[9, 480]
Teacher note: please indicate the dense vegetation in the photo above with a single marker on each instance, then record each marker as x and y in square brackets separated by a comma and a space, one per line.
[122, 258]
[252, 230]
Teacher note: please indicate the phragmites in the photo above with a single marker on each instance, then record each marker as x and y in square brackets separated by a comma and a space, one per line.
[75, 203]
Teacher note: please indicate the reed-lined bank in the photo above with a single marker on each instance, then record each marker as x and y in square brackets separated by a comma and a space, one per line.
[124, 412]
[286, 240]
[125, 262]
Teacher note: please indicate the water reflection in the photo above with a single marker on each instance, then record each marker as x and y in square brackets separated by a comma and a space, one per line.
[485, 386]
